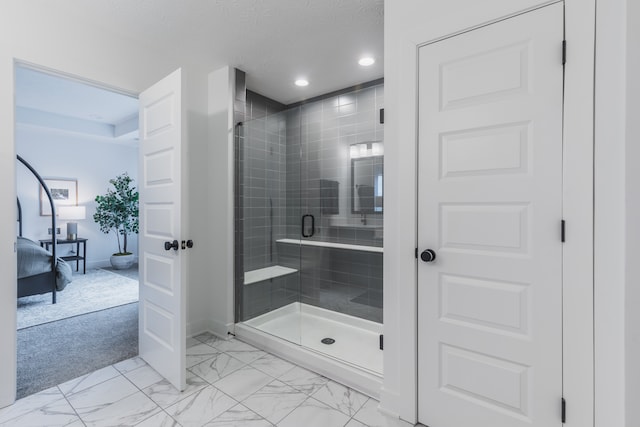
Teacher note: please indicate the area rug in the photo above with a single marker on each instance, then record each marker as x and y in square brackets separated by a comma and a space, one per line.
[99, 289]
[56, 352]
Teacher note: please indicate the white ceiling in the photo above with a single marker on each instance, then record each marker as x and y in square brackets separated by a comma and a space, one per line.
[53, 94]
[47, 101]
[273, 41]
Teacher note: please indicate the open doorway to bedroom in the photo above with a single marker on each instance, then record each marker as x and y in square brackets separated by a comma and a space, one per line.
[79, 137]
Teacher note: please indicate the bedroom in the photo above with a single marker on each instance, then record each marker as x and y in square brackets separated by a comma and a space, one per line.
[77, 137]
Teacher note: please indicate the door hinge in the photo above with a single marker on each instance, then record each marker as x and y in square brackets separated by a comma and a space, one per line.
[382, 116]
[381, 342]
[563, 411]
[564, 52]
[562, 232]
[416, 255]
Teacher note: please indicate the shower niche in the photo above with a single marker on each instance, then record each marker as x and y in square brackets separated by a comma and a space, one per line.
[308, 215]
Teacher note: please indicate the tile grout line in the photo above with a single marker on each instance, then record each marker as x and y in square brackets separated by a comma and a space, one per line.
[87, 375]
[272, 377]
[72, 407]
[148, 397]
[293, 388]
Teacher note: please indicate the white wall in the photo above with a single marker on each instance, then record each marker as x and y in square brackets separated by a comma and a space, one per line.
[220, 204]
[210, 213]
[609, 214]
[407, 24]
[92, 163]
[632, 232]
[48, 34]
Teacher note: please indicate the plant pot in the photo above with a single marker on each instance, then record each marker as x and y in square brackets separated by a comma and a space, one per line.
[122, 261]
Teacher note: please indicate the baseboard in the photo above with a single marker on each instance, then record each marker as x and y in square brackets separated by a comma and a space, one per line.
[196, 328]
[388, 412]
[220, 329]
[98, 264]
[101, 263]
[389, 406]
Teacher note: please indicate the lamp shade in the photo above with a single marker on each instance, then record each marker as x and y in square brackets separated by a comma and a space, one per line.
[72, 212]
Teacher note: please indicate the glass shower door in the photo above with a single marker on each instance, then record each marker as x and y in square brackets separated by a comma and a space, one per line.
[267, 200]
[342, 212]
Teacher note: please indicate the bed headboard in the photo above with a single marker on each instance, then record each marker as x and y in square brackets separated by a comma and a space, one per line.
[19, 217]
[53, 209]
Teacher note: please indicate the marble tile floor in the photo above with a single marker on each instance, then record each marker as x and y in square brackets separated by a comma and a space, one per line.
[229, 384]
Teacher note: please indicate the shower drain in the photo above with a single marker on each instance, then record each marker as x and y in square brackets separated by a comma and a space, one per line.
[327, 341]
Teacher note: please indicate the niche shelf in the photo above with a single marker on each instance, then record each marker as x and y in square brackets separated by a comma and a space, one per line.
[267, 273]
[362, 248]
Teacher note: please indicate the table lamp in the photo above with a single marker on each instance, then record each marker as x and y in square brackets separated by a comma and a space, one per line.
[72, 213]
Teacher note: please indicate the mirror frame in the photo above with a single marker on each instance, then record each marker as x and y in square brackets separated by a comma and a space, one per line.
[353, 195]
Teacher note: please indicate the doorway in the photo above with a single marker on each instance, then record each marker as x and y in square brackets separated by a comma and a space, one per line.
[77, 136]
[490, 224]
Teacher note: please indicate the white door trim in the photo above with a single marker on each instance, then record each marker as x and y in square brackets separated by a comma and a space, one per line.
[8, 255]
[399, 392]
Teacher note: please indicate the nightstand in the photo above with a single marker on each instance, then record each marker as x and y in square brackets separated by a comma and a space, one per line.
[46, 243]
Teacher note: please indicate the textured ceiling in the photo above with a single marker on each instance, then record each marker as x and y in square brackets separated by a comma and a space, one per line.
[273, 41]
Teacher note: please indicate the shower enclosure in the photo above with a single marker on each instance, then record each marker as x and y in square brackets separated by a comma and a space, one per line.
[309, 209]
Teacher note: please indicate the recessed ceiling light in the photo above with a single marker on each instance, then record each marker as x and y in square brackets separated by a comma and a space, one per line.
[302, 82]
[365, 61]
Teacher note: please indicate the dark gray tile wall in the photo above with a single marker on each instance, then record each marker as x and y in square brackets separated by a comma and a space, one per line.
[326, 130]
[319, 137]
[268, 295]
[263, 213]
[264, 152]
[341, 280]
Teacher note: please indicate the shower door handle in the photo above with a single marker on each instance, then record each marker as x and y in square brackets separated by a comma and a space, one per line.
[304, 223]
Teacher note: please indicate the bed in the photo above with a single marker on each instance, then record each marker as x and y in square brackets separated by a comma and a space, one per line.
[39, 271]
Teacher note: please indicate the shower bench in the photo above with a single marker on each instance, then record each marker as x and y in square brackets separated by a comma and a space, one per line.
[267, 273]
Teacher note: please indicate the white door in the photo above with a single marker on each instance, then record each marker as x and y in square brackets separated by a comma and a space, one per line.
[490, 206]
[162, 322]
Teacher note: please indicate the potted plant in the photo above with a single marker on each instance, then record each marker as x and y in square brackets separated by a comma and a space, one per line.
[117, 211]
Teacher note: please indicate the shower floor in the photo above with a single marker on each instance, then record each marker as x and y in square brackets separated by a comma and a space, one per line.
[357, 341]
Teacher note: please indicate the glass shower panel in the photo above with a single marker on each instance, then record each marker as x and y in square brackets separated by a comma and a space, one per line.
[269, 167]
[342, 208]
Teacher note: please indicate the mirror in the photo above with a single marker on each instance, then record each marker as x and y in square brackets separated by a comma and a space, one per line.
[366, 185]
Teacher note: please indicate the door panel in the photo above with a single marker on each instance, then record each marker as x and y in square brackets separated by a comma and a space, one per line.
[490, 205]
[162, 318]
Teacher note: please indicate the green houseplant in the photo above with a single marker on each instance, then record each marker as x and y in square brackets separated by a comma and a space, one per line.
[117, 211]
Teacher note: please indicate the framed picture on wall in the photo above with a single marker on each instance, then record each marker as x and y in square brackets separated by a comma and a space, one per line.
[63, 191]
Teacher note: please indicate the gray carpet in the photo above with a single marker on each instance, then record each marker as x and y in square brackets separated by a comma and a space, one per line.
[99, 289]
[131, 273]
[56, 352]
